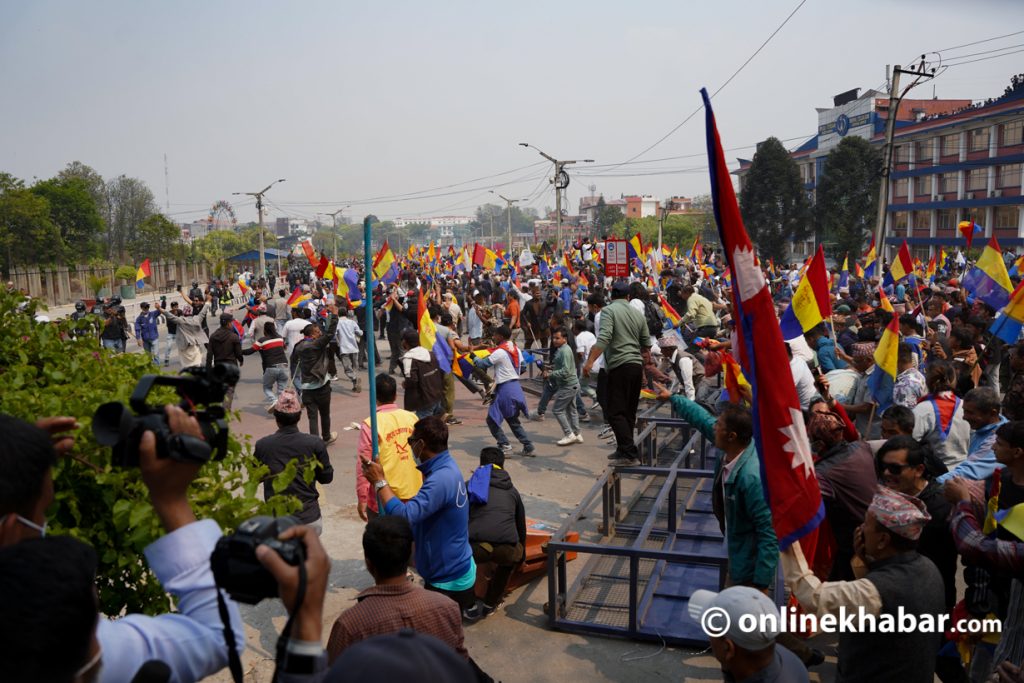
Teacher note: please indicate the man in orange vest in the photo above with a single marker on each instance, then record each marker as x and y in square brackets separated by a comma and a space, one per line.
[394, 427]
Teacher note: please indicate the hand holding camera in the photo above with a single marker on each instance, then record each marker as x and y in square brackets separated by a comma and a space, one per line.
[168, 479]
[309, 615]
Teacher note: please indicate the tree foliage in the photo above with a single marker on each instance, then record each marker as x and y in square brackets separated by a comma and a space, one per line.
[156, 237]
[848, 196]
[73, 210]
[129, 203]
[27, 234]
[679, 230]
[773, 201]
[44, 373]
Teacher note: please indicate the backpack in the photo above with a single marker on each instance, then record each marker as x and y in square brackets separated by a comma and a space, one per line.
[427, 384]
[655, 318]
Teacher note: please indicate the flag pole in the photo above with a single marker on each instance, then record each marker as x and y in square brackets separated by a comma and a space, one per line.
[370, 339]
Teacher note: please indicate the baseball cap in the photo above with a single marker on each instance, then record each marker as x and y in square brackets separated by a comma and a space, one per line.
[620, 287]
[226, 317]
[144, 304]
[736, 602]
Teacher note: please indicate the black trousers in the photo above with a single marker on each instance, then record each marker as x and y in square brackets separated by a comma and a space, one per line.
[507, 557]
[602, 392]
[465, 598]
[622, 403]
[318, 404]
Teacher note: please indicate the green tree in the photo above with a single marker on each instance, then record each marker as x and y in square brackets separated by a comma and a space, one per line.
[417, 232]
[848, 196]
[155, 237]
[607, 217]
[129, 203]
[94, 183]
[27, 234]
[73, 210]
[773, 201]
[44, 372]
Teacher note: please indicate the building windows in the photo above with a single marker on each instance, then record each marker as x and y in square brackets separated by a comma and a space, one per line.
[899, 222]
[923, 151]
[901, 154]
[1011, 133]
[1008, 175]
[946, 183]
[945, 219]
[977, 139]
[950, 144]
[923, 185]
[1007, 217]
[977, 179]
[922, 221]
[902, 186]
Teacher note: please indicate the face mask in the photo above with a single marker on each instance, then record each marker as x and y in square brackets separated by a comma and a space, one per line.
[31, 525]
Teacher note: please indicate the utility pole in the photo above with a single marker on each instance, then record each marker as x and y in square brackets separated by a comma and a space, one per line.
[661, 225]
[561, 181]
[259, 211]
[508, 203]
[334, 224]
[895, 97]
[491, 216]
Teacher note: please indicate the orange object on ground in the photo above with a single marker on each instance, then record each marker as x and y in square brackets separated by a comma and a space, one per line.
[538, 534]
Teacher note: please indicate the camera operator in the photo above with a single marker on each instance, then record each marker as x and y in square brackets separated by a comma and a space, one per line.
[191, 641]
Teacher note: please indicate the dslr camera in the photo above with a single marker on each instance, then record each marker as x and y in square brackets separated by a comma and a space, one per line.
[234, 564]
[117, 426]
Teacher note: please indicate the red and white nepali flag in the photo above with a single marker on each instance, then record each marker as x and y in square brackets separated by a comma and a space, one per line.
[787, 469]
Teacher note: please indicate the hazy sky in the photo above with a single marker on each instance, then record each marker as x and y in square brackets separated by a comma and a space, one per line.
[352, 101]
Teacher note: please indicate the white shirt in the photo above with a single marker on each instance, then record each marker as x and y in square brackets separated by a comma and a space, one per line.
[584, 342]
[504, 370]
[599, 363]
[293, 332]
[685, 365]
[347, 334]
[804, 381]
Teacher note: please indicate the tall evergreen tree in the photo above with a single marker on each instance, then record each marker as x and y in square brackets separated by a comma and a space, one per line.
[847, 201]
[773, 201]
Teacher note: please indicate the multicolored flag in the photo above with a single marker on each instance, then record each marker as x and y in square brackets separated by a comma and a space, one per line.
[883, 377]
[811, 304]
[1010, 321]
[870, 261]
[787, 466]
[309, 251]
[297, 297]
[901, 266]
[988, 280]
[242, 285]
[428, 335]
[969, 229]
[141, 274]
[383, 261]
[844, 274]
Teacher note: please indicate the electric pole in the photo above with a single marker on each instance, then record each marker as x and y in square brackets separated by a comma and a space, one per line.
[508, 203]
[895, 97]
[561, 181]
[259, 211]
[334, 224]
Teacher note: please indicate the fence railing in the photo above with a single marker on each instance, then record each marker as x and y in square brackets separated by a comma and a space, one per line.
[63, 285]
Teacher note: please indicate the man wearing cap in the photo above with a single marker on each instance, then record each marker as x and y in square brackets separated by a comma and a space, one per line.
[191, 338]
[288, 443]
[622, 338]
[146, 333]
[860, 406]
[745, 654]
[896, 577]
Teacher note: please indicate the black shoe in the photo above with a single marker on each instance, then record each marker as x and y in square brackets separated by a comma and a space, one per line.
[474, 613]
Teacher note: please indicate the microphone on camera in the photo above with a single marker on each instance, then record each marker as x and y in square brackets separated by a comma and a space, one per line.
[153, 671]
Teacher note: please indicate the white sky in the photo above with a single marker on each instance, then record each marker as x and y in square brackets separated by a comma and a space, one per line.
[356, 100]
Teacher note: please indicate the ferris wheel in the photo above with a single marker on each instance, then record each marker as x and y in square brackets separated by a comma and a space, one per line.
[222, 216]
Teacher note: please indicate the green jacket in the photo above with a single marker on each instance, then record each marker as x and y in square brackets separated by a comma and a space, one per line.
[563, 370]
[750, 536]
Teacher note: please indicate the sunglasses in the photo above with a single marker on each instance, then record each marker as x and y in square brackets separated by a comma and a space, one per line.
[892, 467]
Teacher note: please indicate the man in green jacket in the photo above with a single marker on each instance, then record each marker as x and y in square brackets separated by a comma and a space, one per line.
[737, 495]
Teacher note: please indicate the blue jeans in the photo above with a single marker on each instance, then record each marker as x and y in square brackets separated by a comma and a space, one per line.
[112, 344]
[150, 347]
[436, 409]
[517, 430]
[276, 374]
[171, 339]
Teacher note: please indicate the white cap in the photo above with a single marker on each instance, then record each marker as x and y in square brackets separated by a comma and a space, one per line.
[736, 602]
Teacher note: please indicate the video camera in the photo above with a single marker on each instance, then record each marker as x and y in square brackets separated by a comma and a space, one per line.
[114, 425]
[235, 566]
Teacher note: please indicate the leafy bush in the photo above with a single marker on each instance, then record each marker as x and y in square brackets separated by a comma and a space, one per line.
[96, 283]
[44, 373]
[125, 273]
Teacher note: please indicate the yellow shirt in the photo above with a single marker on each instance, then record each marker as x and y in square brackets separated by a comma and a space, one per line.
[394, 428]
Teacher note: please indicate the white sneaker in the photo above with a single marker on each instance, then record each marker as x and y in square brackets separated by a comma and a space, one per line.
[566, 440]
[579, 438]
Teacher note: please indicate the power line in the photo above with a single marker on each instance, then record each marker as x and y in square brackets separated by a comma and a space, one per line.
[727, 82]
[979, 42]
[982, 59]
[984, 52]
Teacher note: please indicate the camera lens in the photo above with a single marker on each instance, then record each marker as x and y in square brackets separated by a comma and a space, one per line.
[111, 422]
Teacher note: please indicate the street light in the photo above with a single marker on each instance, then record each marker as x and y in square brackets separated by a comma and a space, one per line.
[560, 181]
[508, 203]
[259, 209]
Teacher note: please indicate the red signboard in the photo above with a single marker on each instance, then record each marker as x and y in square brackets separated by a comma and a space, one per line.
[616, 258]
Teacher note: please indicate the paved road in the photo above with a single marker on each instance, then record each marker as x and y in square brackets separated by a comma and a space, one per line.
[512, 645]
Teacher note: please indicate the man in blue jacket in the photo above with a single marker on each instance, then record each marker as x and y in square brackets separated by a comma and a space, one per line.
[438, 514]
[146, 332]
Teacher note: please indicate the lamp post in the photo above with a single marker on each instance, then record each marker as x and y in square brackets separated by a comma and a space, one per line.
[508, 204]
[259, 210]
[561, 181]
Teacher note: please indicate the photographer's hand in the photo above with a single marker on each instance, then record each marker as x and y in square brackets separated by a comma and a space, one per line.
[167, 479]
[56, 426]
[309, 618]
